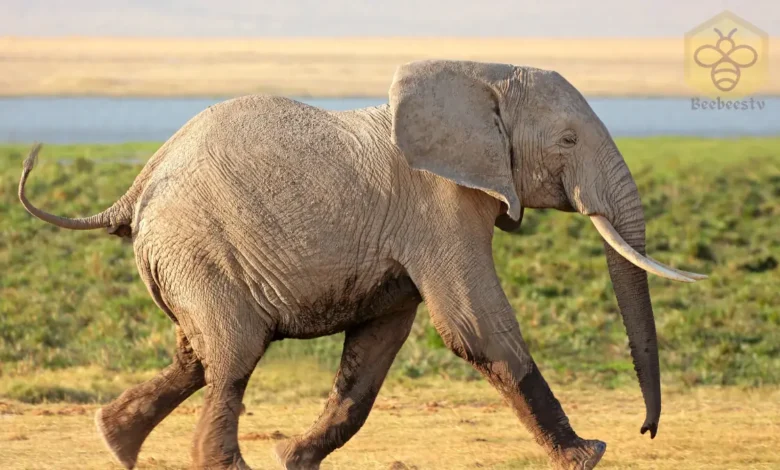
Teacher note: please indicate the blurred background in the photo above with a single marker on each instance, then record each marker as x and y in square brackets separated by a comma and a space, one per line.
[103, 84]
[627, 57]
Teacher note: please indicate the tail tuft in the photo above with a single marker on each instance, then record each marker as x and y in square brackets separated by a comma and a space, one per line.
[29, 162]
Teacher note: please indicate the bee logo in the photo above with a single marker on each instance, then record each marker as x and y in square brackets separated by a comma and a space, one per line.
[725, 59]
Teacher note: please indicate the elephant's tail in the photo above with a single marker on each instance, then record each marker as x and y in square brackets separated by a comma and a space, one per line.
[118, 217]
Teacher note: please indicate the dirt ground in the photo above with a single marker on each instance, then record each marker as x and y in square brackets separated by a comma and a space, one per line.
[441, 425]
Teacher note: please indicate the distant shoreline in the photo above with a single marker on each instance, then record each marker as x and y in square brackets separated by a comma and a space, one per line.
[325, 67]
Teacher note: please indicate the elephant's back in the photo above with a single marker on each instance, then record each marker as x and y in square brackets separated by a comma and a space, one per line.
[270, 152]
[285, 159]
[280, 142]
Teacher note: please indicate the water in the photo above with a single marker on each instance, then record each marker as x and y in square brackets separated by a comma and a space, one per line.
[111, 120]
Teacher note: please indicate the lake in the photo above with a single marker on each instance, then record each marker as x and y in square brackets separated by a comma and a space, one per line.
[113, 120]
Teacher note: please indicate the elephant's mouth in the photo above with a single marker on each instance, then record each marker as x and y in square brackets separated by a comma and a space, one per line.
[647, 263]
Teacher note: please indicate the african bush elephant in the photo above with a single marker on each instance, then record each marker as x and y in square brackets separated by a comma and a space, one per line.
[264, 218]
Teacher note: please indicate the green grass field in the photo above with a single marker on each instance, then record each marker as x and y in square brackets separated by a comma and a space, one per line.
[73, 299]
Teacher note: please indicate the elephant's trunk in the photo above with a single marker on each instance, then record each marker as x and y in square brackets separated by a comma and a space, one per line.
[633, 295]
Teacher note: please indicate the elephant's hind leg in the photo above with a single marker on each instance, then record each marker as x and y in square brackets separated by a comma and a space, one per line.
[125, 423]
[369, 350]
[230, 352]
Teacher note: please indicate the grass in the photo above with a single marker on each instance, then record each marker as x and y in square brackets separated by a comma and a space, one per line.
[325, 66]
[71, 299]
[463, 422]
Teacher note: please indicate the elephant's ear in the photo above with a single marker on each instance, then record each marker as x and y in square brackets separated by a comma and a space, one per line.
[446, 120]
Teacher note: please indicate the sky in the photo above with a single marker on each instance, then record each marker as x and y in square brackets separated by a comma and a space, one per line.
[476, 18]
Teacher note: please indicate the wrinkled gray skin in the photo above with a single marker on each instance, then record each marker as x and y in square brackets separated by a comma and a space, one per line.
[264, 218]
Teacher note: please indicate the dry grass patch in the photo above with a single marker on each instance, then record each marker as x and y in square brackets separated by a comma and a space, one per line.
[322, 67]
[429, 423]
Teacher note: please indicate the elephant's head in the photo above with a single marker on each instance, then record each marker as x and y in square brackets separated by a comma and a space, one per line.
[528, 138]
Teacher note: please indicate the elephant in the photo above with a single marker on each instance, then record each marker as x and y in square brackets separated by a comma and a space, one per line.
[264, 218]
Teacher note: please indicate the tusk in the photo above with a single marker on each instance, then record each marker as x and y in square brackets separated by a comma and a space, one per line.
[694, 276]
[614, 239]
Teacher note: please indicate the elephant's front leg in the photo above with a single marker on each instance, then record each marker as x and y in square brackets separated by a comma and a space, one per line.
[125, 422]
[470, 311]
[369, 350]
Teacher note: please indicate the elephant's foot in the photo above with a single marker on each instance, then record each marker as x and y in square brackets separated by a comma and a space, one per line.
[123, 443]
[292, 455]
[584, 455]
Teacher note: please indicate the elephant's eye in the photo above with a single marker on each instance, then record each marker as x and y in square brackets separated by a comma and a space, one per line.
[569, 140]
